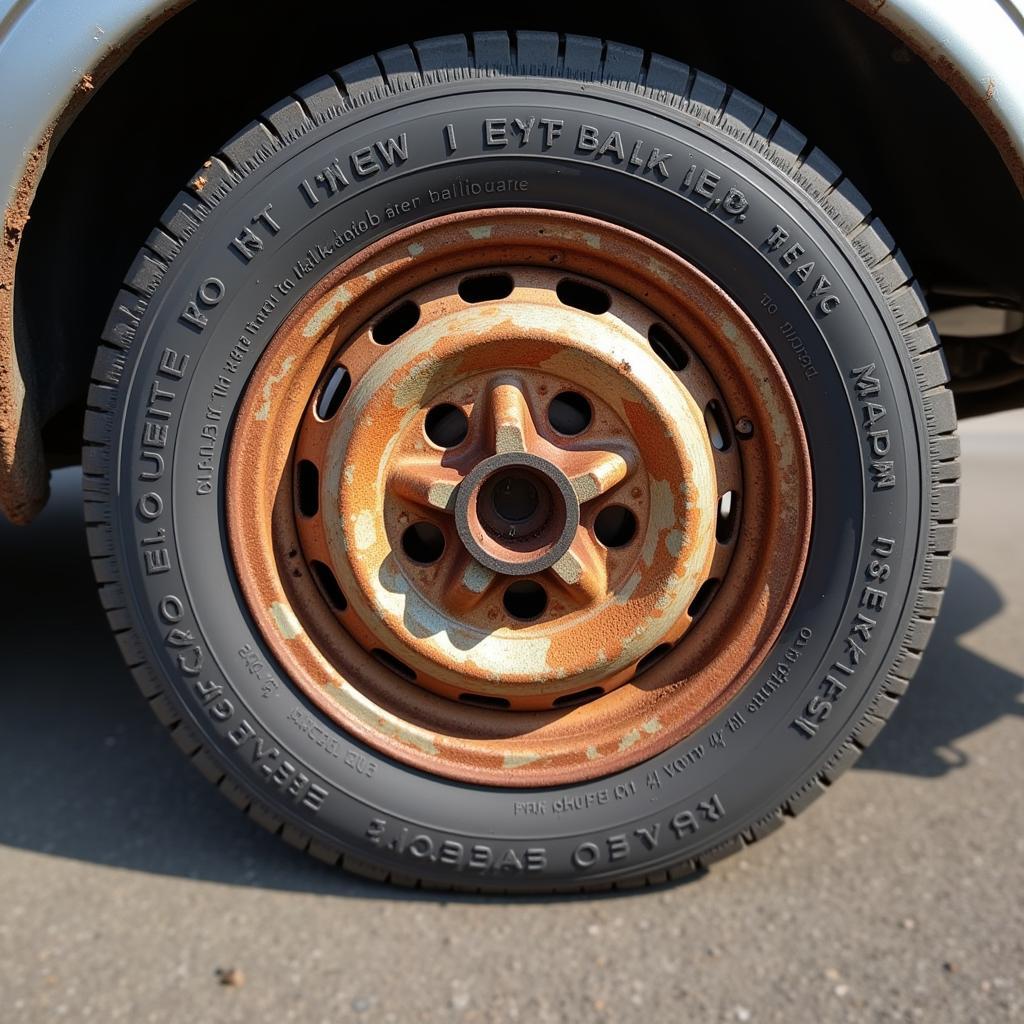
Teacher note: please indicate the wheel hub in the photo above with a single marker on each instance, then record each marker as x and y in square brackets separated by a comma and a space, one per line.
[489, 465]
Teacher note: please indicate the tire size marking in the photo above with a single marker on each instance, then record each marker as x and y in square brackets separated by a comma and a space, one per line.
[856, 644]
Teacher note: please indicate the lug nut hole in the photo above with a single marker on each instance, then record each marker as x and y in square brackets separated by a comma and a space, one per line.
[581, 295]
[394, 324]
[423, 542]
[651, 657]
[308, 488]
[570, 413]
[333, 393]
[486, 287]
[525, 599]
[446, 425]
[615, 526]
[667, 347]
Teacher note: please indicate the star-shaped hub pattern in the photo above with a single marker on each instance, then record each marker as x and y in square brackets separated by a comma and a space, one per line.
[516, 497]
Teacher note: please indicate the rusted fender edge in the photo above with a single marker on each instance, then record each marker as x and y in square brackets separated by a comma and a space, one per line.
[53, 55]
[977, 49]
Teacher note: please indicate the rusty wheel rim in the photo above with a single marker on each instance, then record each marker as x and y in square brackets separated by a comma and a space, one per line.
[518, 497]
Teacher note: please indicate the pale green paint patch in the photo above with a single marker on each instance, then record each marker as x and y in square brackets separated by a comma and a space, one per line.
[518, 760]
[631, 737]
[284, 619]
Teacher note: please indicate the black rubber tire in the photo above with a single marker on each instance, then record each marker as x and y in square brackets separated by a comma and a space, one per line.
[852, 335]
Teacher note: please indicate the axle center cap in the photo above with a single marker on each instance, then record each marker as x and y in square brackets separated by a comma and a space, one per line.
[516, 513]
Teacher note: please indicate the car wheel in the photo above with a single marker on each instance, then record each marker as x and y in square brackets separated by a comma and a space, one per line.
[520, 462]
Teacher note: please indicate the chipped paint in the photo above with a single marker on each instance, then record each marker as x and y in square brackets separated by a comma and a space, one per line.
[327, 311]
[441, 495]
[631, 737]
[285, 620]
[365, 530]
[482, 232]
[415, 250]
[518, 760]
[268, 387]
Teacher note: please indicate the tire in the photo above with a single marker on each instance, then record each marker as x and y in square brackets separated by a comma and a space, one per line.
[733, 189]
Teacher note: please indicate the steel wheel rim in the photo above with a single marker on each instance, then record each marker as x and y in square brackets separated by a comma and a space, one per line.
[556, 720]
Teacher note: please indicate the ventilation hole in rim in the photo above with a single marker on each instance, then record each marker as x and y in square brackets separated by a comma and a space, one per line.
[717, 426]
[667, 347]
[651, 657]
[570, 413]
[482, 701]
[308, 488]
[728, 506]
[525, 599]
[615, 526]
[397, 666]
[423, 542]
[702, 598]
[577, 698]
[329, 586]
[581, 295]
[391, 327]
[333, 393]
[446, 425]
[486, 287]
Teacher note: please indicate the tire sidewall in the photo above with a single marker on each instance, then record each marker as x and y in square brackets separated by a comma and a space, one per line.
[866, 539]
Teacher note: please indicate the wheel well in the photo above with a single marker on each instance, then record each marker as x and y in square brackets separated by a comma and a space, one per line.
[833, 72]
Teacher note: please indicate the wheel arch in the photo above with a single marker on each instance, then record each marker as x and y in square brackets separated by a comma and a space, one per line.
[91, 142]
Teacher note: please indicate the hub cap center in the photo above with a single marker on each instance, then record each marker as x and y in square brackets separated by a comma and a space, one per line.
[517, 513]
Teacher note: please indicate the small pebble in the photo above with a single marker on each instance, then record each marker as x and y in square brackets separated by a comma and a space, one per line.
[231, 977]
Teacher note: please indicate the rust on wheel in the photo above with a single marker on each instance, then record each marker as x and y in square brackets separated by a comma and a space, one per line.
[518, 497]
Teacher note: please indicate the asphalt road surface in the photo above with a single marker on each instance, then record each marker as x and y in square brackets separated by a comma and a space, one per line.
[131, 891]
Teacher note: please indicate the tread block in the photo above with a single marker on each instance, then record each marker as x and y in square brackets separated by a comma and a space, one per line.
[401, 71]
[667, 80]
[250, 147]
[741, 115]
[623, 64]
[537, 52]
[363, 81]
[288, 119]
[707, 94]
[800, 801]
[322, 99]
[492, 51]
[818, 173]
[444, 59]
